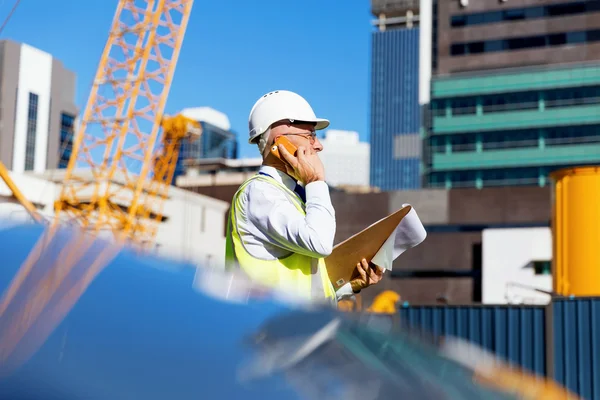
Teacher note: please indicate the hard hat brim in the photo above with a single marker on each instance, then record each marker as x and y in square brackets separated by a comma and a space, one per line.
[320, 123]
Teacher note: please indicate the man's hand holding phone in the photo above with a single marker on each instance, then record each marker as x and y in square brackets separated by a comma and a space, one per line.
[306, 166]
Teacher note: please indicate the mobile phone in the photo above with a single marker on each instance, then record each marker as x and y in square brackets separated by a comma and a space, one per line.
[289, 146]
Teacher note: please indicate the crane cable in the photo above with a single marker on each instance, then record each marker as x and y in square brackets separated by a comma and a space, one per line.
[9, 15]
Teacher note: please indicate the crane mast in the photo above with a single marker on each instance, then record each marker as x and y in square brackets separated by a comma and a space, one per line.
[106, 187]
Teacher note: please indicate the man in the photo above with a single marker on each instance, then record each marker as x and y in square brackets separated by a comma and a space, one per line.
[281, 222]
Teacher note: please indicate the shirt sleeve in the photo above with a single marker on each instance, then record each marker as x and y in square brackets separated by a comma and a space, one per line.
[345, 292]
[272, 212]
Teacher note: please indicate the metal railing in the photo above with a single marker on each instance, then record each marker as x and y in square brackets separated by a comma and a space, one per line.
[517, 70]
[520, 106]
[487, 183]
[516, 144]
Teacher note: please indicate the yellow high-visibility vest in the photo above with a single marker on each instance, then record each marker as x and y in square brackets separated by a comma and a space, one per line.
[292, 273]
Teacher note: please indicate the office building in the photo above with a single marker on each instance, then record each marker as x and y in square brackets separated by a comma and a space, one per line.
[395, 111]
[515, 92]
[37, 98]
[345, 158]
[217, 139]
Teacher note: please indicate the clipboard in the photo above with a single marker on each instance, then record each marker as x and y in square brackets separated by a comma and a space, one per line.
[341, 263]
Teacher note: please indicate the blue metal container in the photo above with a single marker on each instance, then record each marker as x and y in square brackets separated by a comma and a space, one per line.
[574, 351]
[514, 333]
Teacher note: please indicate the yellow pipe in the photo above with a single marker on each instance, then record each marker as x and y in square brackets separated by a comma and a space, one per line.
[576, 231]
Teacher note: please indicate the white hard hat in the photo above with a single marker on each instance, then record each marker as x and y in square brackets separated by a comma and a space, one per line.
[281, 105]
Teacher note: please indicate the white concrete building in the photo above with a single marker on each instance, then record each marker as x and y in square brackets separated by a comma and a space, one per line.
[40, 192]
[193, 228]
[37, 98]
[511, 265]
[346, 158]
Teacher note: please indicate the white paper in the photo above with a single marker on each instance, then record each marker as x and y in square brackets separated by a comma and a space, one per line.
[409, 233]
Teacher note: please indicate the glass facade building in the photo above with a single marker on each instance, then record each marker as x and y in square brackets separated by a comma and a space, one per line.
[512, 127]
[395, 112]
[213, 143]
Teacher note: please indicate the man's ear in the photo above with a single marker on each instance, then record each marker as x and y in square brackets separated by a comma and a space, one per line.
[271, 140]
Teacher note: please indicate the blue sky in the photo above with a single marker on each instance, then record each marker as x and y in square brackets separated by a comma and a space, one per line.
[234, 51]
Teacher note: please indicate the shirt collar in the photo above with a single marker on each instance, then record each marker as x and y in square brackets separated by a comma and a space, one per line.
[279, 176]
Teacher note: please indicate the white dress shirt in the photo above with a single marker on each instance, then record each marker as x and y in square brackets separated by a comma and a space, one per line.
[271, 226]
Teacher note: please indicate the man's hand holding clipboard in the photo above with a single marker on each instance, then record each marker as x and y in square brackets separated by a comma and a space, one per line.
[376, 245]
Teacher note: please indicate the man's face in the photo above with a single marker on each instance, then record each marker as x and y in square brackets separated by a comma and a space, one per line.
[299, 134]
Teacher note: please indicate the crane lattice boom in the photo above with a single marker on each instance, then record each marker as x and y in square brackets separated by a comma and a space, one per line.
[117, 147]
[106, 185]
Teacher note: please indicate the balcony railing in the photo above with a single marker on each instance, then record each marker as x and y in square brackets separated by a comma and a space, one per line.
[515, 70]
[518, 144]
[488, 183]
[518, 106]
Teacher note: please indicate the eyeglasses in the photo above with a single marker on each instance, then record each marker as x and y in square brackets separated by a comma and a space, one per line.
[312, 137]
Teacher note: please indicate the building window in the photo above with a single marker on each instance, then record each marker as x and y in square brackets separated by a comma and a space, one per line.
[529, 42]
[526, 13]
[464, 106]
[67, 136]
[516, 139]
[518, 176]
[518, 101]
[32, 112]
[217, 143]
[214, 143]
[434, 36]
[542, 267]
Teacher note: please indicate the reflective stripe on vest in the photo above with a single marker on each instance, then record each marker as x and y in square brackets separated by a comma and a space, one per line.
[303, 275]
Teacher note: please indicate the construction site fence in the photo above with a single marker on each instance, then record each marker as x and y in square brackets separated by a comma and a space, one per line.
[560, 340]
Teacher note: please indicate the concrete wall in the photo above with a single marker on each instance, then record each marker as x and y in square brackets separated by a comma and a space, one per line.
[507, 265]
[193, 230]
[10, 54]
[62, 100]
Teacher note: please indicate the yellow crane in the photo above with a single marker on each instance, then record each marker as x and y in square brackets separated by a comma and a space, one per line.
[106, 186]
[119, 172]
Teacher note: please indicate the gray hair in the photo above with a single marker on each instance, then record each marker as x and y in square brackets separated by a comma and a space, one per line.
[263, 141]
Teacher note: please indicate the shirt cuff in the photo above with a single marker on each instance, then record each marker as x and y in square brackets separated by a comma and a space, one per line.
[317, 191]
[345, 292]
